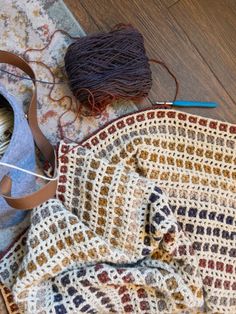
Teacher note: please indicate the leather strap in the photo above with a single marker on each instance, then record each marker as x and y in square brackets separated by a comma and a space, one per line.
[48, 190]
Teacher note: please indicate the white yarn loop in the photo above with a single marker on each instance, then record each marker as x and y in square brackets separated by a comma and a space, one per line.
[29, 172]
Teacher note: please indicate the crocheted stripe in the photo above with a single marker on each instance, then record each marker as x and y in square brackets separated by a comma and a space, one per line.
[194, 160]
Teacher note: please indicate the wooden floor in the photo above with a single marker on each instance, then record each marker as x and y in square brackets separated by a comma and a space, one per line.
[196, 38]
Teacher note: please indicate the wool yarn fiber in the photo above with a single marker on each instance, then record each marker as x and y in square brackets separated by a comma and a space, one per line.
[105, 67]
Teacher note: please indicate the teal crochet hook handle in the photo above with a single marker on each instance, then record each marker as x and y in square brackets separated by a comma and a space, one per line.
[189, 103]
[186, 103]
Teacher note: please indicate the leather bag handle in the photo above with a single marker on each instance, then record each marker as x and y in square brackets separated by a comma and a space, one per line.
[48, 190]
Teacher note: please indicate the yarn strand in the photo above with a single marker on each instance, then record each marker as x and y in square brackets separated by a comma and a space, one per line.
[53, 83]
[101, 68]
[171, 74]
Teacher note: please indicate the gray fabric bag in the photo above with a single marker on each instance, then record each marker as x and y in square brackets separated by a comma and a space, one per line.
[21, 153]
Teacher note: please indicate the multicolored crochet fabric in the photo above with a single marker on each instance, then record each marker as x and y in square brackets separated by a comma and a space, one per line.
[193, 159]
[144, 222]
[114, 247]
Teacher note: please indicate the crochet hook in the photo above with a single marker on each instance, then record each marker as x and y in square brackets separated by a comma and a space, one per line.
[188, 103]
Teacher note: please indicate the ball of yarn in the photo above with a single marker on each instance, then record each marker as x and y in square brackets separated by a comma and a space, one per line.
[106, 67]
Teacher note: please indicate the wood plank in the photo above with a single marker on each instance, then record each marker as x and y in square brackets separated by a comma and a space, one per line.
[165, 40]
[82, 16]
[169, 3]
[211, 27]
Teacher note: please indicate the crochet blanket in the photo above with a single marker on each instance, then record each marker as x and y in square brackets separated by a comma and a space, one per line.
[144, 221]
[117, 248]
